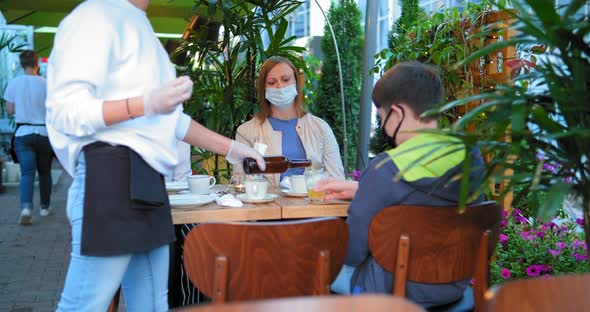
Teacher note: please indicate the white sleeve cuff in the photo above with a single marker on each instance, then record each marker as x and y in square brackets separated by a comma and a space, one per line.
[182, 126]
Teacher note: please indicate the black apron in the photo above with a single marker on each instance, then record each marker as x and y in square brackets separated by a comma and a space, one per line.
[126, 207]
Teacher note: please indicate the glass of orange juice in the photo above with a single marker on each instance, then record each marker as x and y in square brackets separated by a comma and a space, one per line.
[311, 179]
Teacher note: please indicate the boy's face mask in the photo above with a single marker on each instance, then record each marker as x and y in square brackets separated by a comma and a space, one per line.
[391, 139]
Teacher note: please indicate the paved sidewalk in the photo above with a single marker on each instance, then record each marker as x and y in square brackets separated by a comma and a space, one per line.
[33, 259]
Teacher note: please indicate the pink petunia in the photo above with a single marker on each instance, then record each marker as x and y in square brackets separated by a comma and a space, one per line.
[503, 224]
[580, 257]
[505, 273]
[503, 238]
[533, 270]
[577, 244]
[527, 235]
[554, 252]
[561, 245]
[520, 219]
[472, 281]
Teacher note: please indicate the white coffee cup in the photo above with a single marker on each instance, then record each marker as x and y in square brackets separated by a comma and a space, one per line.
[256, 188]
[200, 184]
[298, 183]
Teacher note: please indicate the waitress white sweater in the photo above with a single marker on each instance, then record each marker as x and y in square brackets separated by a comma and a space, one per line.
[107, 50]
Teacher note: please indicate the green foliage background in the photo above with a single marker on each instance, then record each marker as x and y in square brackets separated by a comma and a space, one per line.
[346, 22]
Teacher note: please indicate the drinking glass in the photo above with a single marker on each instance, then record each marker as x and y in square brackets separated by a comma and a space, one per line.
[237, 183]
[311, 179]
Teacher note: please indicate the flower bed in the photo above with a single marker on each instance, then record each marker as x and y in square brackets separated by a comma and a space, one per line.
[529, 248]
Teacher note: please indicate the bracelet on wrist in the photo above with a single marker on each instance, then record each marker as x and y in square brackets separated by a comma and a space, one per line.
[128, 110]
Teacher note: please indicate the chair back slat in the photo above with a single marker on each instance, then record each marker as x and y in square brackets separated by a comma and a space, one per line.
[444, 241]
[220, 280]
[401, 267]
[267, 259]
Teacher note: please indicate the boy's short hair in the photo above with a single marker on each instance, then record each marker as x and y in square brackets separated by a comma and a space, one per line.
[415, 84]
[29, 58]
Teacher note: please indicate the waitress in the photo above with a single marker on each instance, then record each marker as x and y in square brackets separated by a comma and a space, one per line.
[114, 119]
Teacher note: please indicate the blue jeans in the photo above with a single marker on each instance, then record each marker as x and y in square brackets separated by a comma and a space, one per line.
[92, 281]
[342, 283]
[34, 154]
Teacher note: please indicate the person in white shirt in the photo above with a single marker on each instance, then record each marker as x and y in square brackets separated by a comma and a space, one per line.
[114, 119]
[25, 98]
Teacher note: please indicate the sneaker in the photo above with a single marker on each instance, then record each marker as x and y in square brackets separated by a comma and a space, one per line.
[45, 212]
[25, 217]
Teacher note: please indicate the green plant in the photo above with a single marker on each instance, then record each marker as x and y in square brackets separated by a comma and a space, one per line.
[550, 118]
[411, 12]
[225, 70]
[441, 39]
[529, 248]
[345, 18]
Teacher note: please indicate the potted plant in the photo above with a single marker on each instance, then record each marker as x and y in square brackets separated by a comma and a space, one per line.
[543, 116]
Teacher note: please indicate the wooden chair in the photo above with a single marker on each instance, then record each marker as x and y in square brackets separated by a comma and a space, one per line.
[558, 293]
[372, 303]
[436, 244]
[260, 260]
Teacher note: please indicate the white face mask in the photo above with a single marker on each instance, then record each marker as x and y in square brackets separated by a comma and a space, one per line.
[281, 97]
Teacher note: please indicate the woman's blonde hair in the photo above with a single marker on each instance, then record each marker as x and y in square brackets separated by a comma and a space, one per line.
[263, 103]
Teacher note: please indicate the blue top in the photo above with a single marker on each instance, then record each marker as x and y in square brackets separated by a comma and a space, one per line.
[291, 143]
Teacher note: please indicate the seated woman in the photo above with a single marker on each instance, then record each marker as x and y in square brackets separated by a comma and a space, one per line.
[284, 126]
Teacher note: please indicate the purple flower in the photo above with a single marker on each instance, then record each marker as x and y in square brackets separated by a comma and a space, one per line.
[504, 214]
[577, 244]
[526, 235]
[580, 221]
[561, 245]
[554, 252]
[505, 273]
[503, 238]
[472, 281]
[502, 224]
[356, 174]
[520, 219]
[516, 212]
[540, 234]
[533, 270]
[564, 228]
[545, 268]
[580, 257]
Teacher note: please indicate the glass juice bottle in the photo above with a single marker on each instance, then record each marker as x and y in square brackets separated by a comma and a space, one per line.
[274, 164]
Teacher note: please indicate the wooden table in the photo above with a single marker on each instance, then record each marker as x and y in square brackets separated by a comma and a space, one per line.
[297, 207]
[283, 207]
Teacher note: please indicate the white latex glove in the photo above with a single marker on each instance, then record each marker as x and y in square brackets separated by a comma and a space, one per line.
[238, 151]
[166, 98]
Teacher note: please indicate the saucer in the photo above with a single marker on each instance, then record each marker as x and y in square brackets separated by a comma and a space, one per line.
[176, 186]
[189, 200]
[293, 194]
[269, 197]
